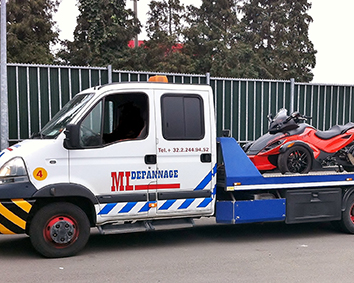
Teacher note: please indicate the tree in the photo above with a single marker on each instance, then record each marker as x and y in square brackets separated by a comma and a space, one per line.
[214, 40]
[104, 28]
[277, 30]
[31, 31]
[165, 18]
[164, 51]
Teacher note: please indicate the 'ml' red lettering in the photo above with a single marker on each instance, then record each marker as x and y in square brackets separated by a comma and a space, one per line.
[117, 181]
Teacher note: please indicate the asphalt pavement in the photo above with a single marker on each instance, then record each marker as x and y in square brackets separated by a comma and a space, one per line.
[209, 252]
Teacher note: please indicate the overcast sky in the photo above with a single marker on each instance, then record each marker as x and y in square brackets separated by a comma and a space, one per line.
[330, 32]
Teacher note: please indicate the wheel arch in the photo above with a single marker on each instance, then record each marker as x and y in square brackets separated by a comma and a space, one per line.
[65, 192]
[347, 192]
[290, 144]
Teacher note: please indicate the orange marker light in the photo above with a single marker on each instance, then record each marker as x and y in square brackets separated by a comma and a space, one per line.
[152, 204]
[158, 79]
[290, 145]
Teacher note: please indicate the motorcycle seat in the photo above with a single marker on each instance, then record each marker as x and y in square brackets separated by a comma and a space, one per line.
[334, 131]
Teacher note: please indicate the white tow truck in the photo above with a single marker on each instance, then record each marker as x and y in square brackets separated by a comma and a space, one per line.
[130, 157]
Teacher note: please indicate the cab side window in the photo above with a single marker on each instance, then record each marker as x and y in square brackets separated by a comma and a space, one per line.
[90, 130]
[182, 117]
[117, 117]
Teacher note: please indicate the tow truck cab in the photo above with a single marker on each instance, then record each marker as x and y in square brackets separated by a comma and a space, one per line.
[120, 152]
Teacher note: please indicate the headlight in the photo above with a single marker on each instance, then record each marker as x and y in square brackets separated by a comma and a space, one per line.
[273, 145]
[13, 171]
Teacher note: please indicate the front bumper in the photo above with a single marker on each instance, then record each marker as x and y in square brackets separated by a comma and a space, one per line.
[13, 215]
[14, 208]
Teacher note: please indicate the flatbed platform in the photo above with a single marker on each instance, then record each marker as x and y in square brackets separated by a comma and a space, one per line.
[326, 171]
[241, 173]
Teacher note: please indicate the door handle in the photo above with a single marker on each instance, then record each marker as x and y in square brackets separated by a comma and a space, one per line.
[205, 157]
[150, 159]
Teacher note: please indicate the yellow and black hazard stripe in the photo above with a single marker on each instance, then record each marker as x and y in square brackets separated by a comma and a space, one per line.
[13, 215]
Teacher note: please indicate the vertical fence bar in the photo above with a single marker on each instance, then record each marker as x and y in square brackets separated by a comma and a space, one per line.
[292, 94]
[70, 88]
[90, 78]
[239, 109]
[18, 105]
[39, 99]
[223, 106]
[284, 95]
[298, 98]
[49, 96]
[4, 110]
[276, 96]
[318, 104]
[262, 106]
[311, 112]
[231, 106]
[324, 108]
[246, 124]
[254, 108]
[344, 104]
[110, 74]
[28, 101]
[207, 78]
[350, 103]
[80, 80]
[337, 114]
[59, 86]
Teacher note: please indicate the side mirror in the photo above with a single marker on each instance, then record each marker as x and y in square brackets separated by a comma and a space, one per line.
[72, 139]
[270, 117]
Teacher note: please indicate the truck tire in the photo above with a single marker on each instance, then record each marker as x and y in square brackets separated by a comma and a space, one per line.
[59, 230]
[347, 222]
[297, 159]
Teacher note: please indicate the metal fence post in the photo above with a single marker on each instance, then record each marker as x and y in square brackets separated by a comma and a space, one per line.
[207, 75]
[292, 94]
[109, 69]
[4, 132]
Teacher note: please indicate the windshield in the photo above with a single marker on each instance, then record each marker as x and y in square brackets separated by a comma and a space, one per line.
[281, 114]
[55, 126]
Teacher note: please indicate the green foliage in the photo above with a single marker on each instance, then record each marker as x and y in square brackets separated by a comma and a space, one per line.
[165, 19]
[213, 40]
[31, 31]
[104, 28]
[265, 39]
[277, 30]
[164, 52]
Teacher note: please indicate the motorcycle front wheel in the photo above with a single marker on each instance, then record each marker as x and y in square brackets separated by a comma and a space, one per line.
[296, 159]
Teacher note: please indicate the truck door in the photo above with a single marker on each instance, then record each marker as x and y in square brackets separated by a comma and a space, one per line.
[185, 156]
[118, 149]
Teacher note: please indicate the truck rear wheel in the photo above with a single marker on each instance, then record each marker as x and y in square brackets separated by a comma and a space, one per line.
[347, 222]
[59, 230]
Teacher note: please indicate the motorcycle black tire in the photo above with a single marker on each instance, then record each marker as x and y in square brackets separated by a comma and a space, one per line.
[296, 159]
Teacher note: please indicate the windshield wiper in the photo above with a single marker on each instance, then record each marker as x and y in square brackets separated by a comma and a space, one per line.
[38, 135]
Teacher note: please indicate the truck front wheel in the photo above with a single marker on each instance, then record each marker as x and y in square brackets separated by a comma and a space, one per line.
[59, 230]
[347, 222]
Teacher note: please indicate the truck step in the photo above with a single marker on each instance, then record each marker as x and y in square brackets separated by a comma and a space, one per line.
[141, 226]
